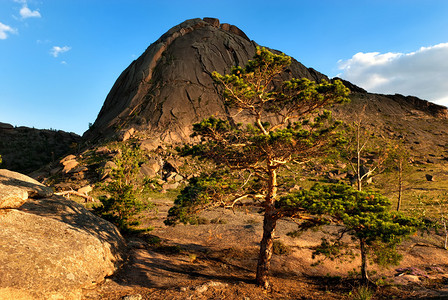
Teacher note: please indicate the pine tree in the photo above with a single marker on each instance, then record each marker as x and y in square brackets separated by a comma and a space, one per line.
[284, 122]
[364, 215]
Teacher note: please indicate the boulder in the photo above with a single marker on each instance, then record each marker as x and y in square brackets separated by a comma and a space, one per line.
[172, 165]
[150, 144]
[106, 169]
[103, 151]
[69, 165]
[151, 168]
[52, 247]
[126, 134]
[170, 186]
[85, 189]
[16, 188]
[67, 158]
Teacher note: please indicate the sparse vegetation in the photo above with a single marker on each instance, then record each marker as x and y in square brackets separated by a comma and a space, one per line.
[362, 292]
[265, 167]
[124, 201]
[280, 248]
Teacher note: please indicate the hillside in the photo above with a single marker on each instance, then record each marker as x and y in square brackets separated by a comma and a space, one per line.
[169, 87]
[153, 105]
[25, 149]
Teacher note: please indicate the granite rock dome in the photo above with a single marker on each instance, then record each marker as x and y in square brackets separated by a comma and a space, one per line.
[170, 86]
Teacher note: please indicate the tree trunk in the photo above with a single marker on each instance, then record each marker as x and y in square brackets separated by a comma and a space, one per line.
[358, 158]
[445, 245]
[400, 184]
[269, 223]
[364, 276]
[264, 258]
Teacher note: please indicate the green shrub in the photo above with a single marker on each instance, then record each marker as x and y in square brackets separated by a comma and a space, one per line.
[123, 203]
[362, 293]
[279, 248]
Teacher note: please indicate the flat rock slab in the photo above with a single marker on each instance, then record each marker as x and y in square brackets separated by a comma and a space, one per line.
[16, 188]
[52, 248]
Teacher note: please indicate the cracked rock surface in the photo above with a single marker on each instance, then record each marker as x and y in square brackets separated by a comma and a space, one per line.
[51, 247]
[170, 87]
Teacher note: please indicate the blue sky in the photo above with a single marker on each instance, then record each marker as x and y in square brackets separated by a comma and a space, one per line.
[60, 58]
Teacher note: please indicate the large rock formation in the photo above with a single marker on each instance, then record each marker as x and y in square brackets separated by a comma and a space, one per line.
[25, 149]
[169, 86]
[50, 247]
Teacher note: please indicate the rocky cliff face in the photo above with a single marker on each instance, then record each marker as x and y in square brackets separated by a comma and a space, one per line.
[26, 149]
[169, 87]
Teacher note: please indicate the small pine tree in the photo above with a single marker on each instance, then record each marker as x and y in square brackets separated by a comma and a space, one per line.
[123, 203]
[364, 215]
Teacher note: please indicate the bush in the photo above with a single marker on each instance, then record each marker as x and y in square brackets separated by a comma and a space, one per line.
[280, 249]
[362, 293]
[123, 204]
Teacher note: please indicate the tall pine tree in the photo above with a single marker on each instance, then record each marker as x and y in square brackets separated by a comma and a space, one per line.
[284, 123]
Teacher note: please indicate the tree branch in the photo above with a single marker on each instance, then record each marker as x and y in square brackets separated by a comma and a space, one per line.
[72, 192]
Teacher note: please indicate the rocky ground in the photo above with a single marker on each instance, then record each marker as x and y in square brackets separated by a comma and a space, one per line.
[217, 260]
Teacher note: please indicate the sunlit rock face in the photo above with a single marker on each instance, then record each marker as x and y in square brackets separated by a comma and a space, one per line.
[51, 247]
[170, 87]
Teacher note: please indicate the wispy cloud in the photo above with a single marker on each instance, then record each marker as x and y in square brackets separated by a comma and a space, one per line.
[56, 50]
[4, 30]
[26, 13]
[421, 73]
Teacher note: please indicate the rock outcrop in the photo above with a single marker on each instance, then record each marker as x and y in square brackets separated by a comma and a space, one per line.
[25, 149]
[15, 189]
[51, 247]
[170, 86]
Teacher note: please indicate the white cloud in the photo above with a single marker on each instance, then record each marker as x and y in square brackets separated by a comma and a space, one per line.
[422, 73]
[25, 12]
[56, 50]
[4, 30]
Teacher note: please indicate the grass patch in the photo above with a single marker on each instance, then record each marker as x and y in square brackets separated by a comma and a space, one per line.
[279, 248]
[362, 293]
